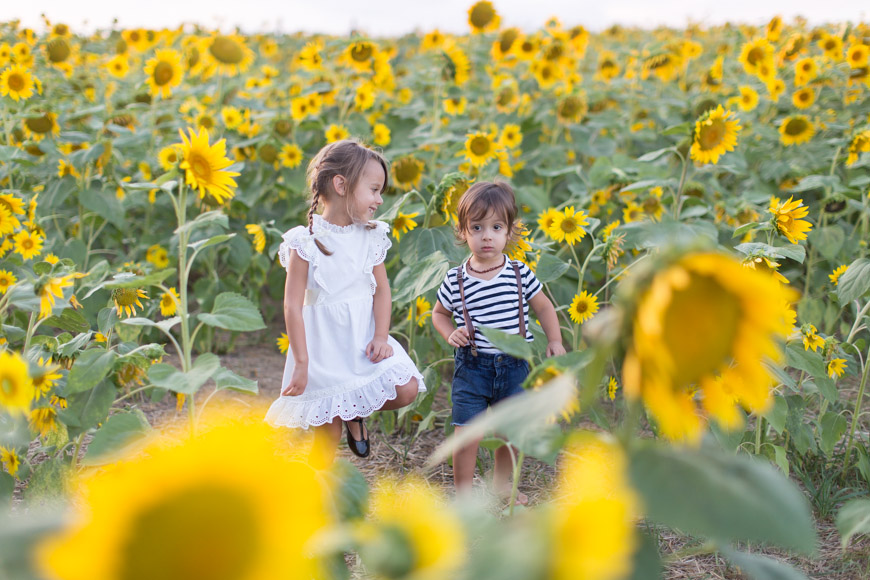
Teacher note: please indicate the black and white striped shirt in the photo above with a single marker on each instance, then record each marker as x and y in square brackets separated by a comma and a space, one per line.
[492, 303]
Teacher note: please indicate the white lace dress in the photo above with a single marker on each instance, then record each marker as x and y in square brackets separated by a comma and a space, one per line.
[339, 323]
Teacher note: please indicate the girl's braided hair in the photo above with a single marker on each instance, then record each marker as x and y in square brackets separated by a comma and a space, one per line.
[348, 159]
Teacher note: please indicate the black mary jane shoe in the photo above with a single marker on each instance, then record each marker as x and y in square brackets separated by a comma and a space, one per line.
[359, 448]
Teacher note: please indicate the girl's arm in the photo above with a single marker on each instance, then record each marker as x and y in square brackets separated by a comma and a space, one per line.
[546, 315]
[294, 297]
[442, 320]
[379, 349]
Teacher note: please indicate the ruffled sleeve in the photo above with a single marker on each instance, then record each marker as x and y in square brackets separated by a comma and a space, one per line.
[301, 240]
[379, 244]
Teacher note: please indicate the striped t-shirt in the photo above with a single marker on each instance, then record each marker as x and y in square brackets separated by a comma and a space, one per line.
[492, 303]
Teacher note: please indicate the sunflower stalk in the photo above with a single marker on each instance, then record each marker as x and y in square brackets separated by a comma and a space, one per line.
[678, 198]
[856, 413]
[183, 274]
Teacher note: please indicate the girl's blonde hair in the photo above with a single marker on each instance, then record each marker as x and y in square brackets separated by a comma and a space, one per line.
[348, 159]
[482, 198]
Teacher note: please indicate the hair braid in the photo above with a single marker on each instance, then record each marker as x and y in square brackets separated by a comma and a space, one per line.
[314, 201]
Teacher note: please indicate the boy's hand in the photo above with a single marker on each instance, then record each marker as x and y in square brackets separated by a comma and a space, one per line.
[555, 348]
[378, 349]
[297, 383]
[458, 338]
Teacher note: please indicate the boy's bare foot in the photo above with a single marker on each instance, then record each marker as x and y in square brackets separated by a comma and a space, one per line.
[521, 499]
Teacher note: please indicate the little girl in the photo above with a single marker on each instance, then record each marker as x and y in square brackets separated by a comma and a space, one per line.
[342, 362]
[488, 290]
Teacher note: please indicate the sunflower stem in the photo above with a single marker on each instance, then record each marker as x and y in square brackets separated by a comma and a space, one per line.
[855, 326]
[856, 413]
[31, 327]
[515, 485]
[678, 199]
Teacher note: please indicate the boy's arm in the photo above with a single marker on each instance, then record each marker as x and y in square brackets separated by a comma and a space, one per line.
[546, 315]
[442, 320]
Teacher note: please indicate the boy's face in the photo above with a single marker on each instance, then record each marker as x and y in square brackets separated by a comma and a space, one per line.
[487, 237]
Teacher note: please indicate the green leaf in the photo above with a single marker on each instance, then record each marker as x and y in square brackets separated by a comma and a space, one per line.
[855, 281]
[227, 379]
[681, 129]
[128, 280]
[760, 567]
[75, 345]
[88, 408]
[646, 563]
[513, 344]
[212, 241]
[645, 184]
[745, 229]
[794, 252]
[111, 441]
[828, 240]
[524, 419]
[168, 377]
[853, 518]
[780, 457]
[828, 388]
[653, 155]
[69, 320]
[418, 278]
[550, 268]
[104, 203]
[833, 427]
[349, 488]
[89, 369]
[164, 325]
[805, 360]
[777, 413]
[811, 182]
[233, 312]
[208, 218]
[711, 494]
[560, 171]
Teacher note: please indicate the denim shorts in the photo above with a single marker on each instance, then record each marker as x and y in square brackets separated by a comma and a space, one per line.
[484, 380]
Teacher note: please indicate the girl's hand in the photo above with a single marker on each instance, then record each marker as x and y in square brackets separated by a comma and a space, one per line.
[297, 383]
[458, 338]
[555, 348]
[378, 349]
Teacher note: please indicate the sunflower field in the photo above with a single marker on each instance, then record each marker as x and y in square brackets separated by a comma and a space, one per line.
[695, 201]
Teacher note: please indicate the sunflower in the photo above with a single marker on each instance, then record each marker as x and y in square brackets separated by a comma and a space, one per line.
[795, 130]
[424, 311]
[502, 47]
[836, 367]
[860, 144]
[715, 134]
[834, 276]
[300, 107]
[482, 17]
[858, 56]
[163, 72]
[608, 230]
[403, 223]
[335, 133]
[364, 98]
[168, 157]
[43, 420]
[360, 55]
[805, 70]
[16, 386]
[612, 386]
[592, 518]
[8, 222]
[748, 99]
[126, 299]
[547, 218]
[787, 218]
[803, 98]
[380, 135]
[432, 542]
[811, 339]
[158, 256]
[7, 280]
[450, 204]
[28, 244]
[454, 106]
[169, 302]
[175, 512]
[230, 54]
[407, 172]
[583, 307]
[10, 460]
[118, 66]
[283, 343]
[776, 87]
[480, 148]
[754, 53]
[290, 155]
[833, 46]
[546, 73]
[571, 109]
[259, 236]
[766, 265]
[704, 324]
[568, 226]
[232, 117]
[608, 66]
[309, 57]
[17, 82]
[633, 212]
[205, 166]
[507, 98]
[37, 128]
[457, 67]
[47, 379]
[51, 289]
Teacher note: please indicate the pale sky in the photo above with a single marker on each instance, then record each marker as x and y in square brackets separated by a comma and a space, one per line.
[395, 17]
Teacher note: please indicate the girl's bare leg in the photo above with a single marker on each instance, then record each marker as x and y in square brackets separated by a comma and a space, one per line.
[326, 439]
[405, 395]
[464, 464]
[503, 473]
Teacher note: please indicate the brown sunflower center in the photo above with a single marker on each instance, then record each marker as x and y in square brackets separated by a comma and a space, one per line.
[570, 108]
[61, 29]
[796, 126]
[507, 38]
[268, 153]
[480, 145]
[16, 81]
[582, 307]
[711, 135]
[200, 166]
[754, 56]
[226, 50]
[205, 121]
[58, 50]
[39, 125]
[206, 532]
[505, 96]
[407, 170]
[700, 329]
[361, 52]
[163, 73]
[568, 225]
[482, 14]
[126, 296]
[283, 127]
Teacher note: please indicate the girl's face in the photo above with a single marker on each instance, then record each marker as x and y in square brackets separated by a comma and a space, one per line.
[367, 196]
[488, 236]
